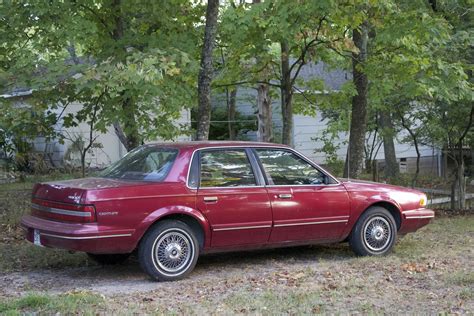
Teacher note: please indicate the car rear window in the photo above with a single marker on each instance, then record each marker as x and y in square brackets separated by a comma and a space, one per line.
[145, 163]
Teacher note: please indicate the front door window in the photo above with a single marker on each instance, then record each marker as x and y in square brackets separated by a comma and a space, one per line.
[285, 168]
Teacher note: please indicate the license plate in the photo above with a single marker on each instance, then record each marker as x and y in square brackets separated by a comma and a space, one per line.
[37, 237]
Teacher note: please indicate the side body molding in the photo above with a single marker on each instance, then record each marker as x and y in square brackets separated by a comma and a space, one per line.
[153, 217]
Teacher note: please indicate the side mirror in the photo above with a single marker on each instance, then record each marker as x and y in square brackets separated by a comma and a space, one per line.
[326, 180]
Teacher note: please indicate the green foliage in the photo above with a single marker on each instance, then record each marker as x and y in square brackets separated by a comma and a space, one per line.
[251, 34]
[104, 54]
[135, 63]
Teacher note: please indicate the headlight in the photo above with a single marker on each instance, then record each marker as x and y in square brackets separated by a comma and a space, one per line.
[423, 200]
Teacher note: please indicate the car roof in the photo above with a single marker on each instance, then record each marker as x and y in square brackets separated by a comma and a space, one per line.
[206, 144]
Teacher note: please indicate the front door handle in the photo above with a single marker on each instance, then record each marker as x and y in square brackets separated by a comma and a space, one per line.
[210, 199]
[285, 196]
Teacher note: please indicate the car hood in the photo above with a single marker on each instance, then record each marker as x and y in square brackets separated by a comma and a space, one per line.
[362, 185]
[407, 197]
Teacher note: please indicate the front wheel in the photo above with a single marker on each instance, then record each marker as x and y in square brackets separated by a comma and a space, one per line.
[374, 233]
[168, 251]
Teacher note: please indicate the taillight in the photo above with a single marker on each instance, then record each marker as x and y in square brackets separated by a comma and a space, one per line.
[77, 213]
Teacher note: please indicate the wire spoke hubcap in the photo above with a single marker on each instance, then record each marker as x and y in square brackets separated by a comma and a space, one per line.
[173, 251]
[377, 233]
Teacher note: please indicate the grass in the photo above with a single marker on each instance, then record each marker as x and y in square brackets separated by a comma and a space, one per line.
[288, 302]
[462, 278]
[84, 303]
[24, 256]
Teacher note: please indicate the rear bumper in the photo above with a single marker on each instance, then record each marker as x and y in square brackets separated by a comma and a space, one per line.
[78, 237]
[413, 220]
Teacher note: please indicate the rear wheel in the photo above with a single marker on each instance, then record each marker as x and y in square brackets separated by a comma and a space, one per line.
[168, 251]
[374, 233]
[109, 259]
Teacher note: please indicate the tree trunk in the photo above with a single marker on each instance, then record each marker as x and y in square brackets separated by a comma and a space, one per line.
[445, 162]
[392, 168]
[205, 72]
[231, 103]
[127, 131]
[414, 137]
[461, 179]
[453, 194]
[461, 186]
[355, 150]
[264, 105]
[130, 127]
[417, 171]
[83, 163]
[286, 96]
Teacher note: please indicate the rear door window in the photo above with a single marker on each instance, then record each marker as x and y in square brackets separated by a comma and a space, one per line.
[226, 168]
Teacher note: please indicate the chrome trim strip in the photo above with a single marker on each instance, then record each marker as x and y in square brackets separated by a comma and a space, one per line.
[236, 187]
[262, 146]
[59, 211]
[421, 216]
[415, 211]
[85, 237]
[145, 197]
[311, 223]
[241, 227]
[302, 185]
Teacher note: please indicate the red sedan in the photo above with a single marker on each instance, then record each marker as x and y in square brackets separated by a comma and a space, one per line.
[171, 202]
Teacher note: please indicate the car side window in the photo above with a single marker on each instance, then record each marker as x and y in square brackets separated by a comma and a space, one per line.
[283, 167]
[226, 168]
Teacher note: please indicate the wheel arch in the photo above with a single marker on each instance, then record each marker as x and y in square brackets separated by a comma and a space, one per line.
[188, 220]
[392, 208]
[193, 218]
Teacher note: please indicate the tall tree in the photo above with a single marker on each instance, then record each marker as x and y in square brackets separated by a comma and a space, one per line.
[264, 113]
[392, 168]
[358, 128]
[206, 71]
[264, 102]
[286, 93]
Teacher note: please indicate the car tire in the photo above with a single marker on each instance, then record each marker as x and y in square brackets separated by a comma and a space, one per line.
[375, 233]
[109, 259]
[168, 251]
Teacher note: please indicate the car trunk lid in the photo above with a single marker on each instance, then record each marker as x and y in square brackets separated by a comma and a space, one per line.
[66, 200]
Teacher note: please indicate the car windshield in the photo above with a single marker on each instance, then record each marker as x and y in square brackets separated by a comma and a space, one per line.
[145, 163]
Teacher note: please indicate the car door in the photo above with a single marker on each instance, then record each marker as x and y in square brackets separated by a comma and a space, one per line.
[232, 196]
[307, 204]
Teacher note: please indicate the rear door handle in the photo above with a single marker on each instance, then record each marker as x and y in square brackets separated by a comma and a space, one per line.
[210, 199]
[285, 196]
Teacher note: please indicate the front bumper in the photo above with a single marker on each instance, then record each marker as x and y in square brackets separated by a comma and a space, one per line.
[89, 237]
[413, 220]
